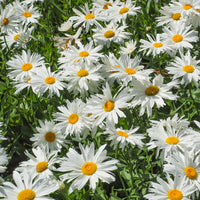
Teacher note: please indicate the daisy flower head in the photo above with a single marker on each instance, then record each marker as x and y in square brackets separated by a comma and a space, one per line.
[187, 165]
[86, 18]
[44, 80]
[21, 84]
[154, 46]
[73, 118]
[170, 190]
[87, 166]
[185, 67]
[126, 8]
[82, 54]
[27, 13]
[179, 36]
[48, 135]
[149, 93]
[3, 160]
[83, 79]
[123, 137]
[108, 107]
[130, 46]
[170, 14]
[68, 40]
[170, 137]
[28, 187]
[41, 163]
[65, 26]
[8, 20]
[111, 33]
[128, 70]
[24, 65]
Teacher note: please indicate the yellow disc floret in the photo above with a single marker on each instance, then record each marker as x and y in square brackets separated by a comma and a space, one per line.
[83, 54]
[152, 90]
[175, 194]
[89, 16]
[191, 172]
[50, 136]
[73, 118]
[123, 10]
[16, 37]
[172, 140]
[187, 7]
[82, 73]
[109, 106]
[26, 194]
[5, 21]
[188, 68]
[177, 38]
[50, 80]
[106, 6]
[130, 71]
[176, 16]
[27, 66]
[157, 44]
[27, 14]
[122, 133]
[89, 168]
[109, 34]
[41, 166]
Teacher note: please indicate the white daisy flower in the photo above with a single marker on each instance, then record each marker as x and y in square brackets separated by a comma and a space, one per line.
[170, 137]
[111, 33]
[194, 19]
[147, 94]
[24, 65]
[179, 36]
[186, 67]
[87, 17]
[83, 78]
[27, 13]
[45, 80]
[129, 69]
[170, 14]
[187, 165]
[48, 135]
[108, 107]
[123, 137]
[3, 160]
[87, 166]
[73, 118]
[83, 54]
[171, 190]
[126, 8]
[65, 26]
[41, 163]
[154, 46]
[28, 187]
[21, 84]
[130, 46]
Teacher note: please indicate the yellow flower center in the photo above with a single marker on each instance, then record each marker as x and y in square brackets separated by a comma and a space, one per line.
[16, 37]
[130, 71]
[172, 140]
[89, 16]
[73, 118]
[176, 16]
[26, 194]
[188, 68]
[123, 10]
[157, 44]
[109, 106]
[152, 90]
[83, 54]
[28, 81]
[27, 66]
[198, 9]
[109, 34]
[122, 133]
[106, 6]
[82, 73]
[89, 168]
[41, 166]
[191, 172]
[5, 21]
[175, 194]
[27, 14]
[50, 136]
[177, 38]
[50, 80]
[187, 7]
